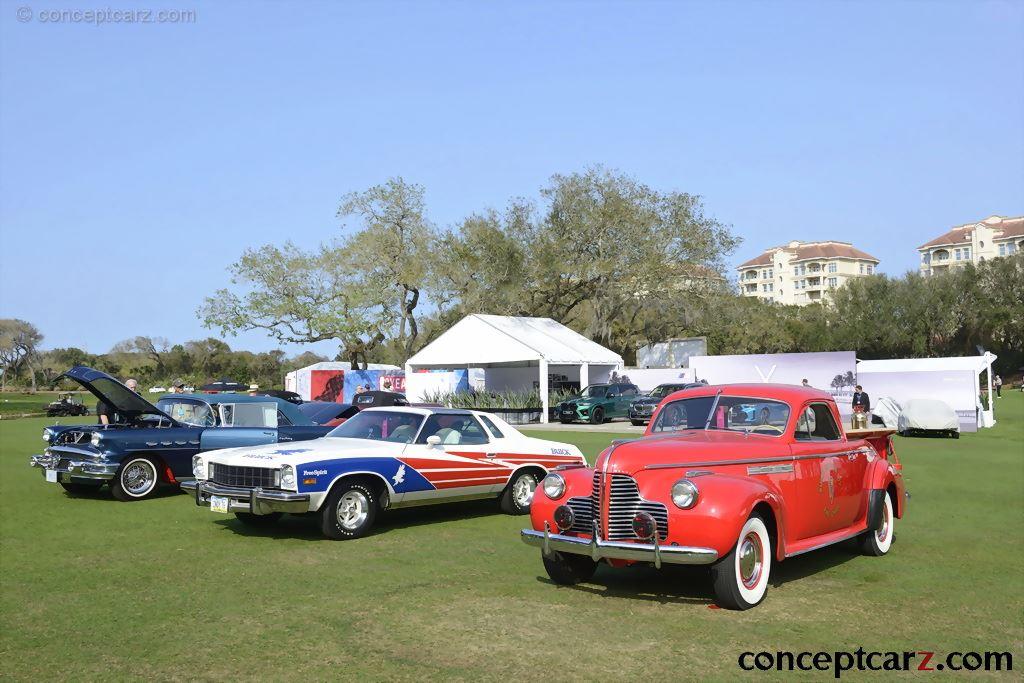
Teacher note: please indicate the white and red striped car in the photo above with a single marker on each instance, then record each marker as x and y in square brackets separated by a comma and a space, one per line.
[381, 458]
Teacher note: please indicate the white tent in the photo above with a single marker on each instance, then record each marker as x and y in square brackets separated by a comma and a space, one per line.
[515, 353]
[930, 377]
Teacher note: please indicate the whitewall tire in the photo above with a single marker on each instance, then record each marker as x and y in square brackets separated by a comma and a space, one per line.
[878, 542]
[135, 479]
[741, 577]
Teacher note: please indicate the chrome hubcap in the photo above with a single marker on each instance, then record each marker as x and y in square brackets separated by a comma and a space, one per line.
[522, 490]
[352, 510]
[138, 478]
[750, 560]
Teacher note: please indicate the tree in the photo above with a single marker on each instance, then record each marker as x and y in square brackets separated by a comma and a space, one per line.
[392, 252]
[19, 341]
[303, 297]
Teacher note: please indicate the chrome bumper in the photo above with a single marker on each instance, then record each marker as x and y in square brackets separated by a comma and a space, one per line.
[79, 469]
[256, 501]
[617, 550]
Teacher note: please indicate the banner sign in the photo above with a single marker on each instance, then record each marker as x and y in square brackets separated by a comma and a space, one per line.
[833, 371]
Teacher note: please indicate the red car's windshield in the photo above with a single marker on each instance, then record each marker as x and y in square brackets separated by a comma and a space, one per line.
[734, 413]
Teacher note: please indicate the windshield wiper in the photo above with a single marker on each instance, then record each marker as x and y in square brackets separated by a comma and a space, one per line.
[711, 413]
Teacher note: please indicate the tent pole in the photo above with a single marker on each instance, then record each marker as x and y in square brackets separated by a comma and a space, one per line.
[584, 375]
[543, 387]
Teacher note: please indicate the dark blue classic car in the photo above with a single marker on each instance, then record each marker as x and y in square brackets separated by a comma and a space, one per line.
[148, 445]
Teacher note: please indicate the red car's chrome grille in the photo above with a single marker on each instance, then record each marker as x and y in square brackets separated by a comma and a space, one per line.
[624, 502]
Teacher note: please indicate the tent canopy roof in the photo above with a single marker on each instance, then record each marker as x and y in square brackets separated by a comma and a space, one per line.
[488, 340]
[976, 363]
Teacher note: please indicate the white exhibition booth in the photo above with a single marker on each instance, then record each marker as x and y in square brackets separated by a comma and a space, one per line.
[515, 354]
[954, 381]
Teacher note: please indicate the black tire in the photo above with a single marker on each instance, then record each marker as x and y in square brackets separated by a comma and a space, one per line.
[638, 423]
[567, 569]
[347, 493]
[80, 488]
[955, 435]
[126, 486]
[597, 416]
[512, 502]
[732, 590]
[877, 543]
[249, 519]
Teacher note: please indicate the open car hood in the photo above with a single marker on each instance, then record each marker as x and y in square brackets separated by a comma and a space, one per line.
[107, 389]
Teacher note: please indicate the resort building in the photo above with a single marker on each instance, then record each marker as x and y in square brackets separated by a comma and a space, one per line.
[972, 243]
[803, 272]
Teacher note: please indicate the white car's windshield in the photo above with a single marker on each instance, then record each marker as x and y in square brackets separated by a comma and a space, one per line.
[380, 425]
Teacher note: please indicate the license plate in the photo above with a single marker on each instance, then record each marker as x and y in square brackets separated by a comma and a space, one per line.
[567, 412]
[219, 503]
[51, 476]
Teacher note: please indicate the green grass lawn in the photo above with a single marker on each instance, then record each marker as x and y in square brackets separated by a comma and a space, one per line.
[93, 588]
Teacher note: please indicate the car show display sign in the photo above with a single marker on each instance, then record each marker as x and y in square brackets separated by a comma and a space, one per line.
[832, 371]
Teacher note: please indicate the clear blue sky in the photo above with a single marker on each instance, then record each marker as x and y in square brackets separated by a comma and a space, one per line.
[138, 161]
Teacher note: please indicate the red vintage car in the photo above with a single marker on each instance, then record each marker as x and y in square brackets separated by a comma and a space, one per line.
[729, 476]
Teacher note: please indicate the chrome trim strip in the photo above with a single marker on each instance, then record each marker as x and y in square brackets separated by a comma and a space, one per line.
[770, 469]
[824, 545]
[751, 461]
[614, 550]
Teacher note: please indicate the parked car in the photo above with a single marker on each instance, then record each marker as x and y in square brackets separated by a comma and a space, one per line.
[151, 444]
[641, 409]
[598, 402]
[66, 405]
[379, 459]
[699, 488]
[378, 399]
[327, 413]
[928, 416]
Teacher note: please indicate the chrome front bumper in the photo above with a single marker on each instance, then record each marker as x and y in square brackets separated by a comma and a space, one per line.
[617, 550]
[78, 469]
[256, 501]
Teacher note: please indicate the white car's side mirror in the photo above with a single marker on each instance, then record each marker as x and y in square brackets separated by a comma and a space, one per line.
[433, 441]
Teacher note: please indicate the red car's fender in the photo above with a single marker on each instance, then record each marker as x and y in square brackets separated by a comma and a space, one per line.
[724, 504]
[881, 474]
[578, 482]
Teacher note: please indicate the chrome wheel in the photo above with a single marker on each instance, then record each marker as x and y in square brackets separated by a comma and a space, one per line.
[138, 478]
[522, 490]
[353, 509]
[750, 560]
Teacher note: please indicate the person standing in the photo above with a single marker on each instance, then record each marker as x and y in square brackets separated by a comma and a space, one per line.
[998, 384]
[861, 398]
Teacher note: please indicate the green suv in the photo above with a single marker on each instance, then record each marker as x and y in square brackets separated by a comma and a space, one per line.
[598, 402]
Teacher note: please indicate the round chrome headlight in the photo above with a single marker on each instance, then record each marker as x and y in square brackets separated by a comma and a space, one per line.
[47, 435]
[684, 494]
[287, 476]
[554, 486]
[198, 467]
[95, 440]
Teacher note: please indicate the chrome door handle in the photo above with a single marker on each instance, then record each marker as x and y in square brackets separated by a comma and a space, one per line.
[489, 455]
